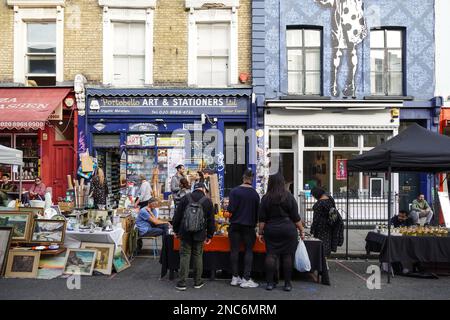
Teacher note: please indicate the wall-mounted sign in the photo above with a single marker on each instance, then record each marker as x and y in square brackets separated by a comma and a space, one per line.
[192, 126]
[133, 140]
[158, 106]
[99, 126]
[170, 141]
[341, 169]
[57, 114]
[142, 127]
[147, 140]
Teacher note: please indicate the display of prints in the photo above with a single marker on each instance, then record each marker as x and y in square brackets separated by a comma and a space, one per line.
[341, 169]
[147, 140]
[170, 141]
[133, 140]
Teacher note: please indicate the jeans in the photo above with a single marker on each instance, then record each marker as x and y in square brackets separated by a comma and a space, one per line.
[194, 248]
[242, 234]
[159, 230]
[415, 215]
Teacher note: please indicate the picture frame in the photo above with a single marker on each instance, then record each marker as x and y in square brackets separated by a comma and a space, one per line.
[96, 215]
[120, 260]
[5, 243]
[104, 258]
[376, 188]
[22, 264]
[47, 231]
[38, 212]
[22, 222]
[80, 262]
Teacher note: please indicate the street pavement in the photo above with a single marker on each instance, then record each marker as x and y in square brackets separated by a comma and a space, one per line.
[141, 281]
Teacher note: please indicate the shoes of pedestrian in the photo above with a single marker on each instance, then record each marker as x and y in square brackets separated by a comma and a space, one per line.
[236, 281]
[181, 286]
[199, 284]
[270, 286]
[287, 287]
[249, 284]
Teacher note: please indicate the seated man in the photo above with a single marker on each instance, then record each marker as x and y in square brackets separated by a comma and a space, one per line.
[5, 187]
[421, 209]
[402, 220]
[148, 224]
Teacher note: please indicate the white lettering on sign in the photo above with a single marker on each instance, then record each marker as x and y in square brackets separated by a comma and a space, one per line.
[23, 106]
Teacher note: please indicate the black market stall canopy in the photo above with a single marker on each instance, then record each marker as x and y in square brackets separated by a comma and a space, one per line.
[415, 149]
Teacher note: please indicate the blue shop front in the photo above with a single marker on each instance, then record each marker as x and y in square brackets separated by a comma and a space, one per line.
[133, 132]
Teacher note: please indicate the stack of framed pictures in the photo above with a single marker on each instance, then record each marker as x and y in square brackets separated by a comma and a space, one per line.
[5, 242]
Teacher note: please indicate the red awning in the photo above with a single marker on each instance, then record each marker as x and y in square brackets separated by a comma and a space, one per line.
[29, 108]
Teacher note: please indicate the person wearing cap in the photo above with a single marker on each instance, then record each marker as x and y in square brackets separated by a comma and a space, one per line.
[175, 182]
[147, 222]
[145, 193]
[192, 242]
[243, 206]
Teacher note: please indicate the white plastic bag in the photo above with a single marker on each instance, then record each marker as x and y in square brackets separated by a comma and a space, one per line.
[302, 262]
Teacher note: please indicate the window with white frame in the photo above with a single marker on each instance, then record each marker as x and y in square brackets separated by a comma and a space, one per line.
[304, 61]
[41, 53]
[324, 152]
[128, 53]
[38, 42]
[212, 54]
[386, 62]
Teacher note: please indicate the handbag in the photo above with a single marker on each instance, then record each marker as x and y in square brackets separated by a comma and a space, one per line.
[302, 262]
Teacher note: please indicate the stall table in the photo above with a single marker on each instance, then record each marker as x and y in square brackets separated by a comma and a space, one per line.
[73, 239]
[410, 249]
[216, 256]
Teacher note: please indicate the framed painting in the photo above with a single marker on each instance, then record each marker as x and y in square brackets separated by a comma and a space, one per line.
[120, 260]
[96, 215]
[5, 242]
[21, 222]
[48, 231]
[38, 212]
[80, 262]
[105, 255]
[22, 264]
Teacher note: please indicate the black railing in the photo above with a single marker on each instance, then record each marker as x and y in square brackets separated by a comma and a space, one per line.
[364, 209]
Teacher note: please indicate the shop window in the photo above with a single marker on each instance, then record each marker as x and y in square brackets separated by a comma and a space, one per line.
[314, 139]
[41, 53]
[304, 61]
[128, 53]
[386, 62]
[346, 140]
[212, 54]
[374, 139]
[285, 140]
[29, 145]
[340, 180]
[316, 169]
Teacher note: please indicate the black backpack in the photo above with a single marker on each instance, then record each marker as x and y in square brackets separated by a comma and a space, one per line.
[194, 216]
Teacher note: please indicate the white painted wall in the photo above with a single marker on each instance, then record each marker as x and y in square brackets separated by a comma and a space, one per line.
[442, 12]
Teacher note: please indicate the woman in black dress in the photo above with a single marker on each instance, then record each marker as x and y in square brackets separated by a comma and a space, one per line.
[99, 189]
[321, 227]
[278, 224]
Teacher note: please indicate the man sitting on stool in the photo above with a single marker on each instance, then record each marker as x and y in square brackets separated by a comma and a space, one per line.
[421, 209]
[148, 224]
[402, 219]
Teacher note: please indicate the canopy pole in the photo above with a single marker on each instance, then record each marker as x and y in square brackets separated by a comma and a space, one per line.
[20, 183]
[434, 192]
[389, 222]
[346, 219]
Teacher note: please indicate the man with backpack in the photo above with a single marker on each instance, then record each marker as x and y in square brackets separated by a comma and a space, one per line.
[194, 224]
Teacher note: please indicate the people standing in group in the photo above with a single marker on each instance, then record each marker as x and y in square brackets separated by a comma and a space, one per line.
[194, 212]
[278, 224]
[99, 189]
[243, 207]
[185, 188]
[327, 223]
[144, 194]
[175, 182]
[5, 187]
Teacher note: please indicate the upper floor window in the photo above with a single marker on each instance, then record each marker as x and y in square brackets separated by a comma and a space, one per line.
[386, 62]
[212, 54]
[128, 53]
[41, 53]
[304, 61]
